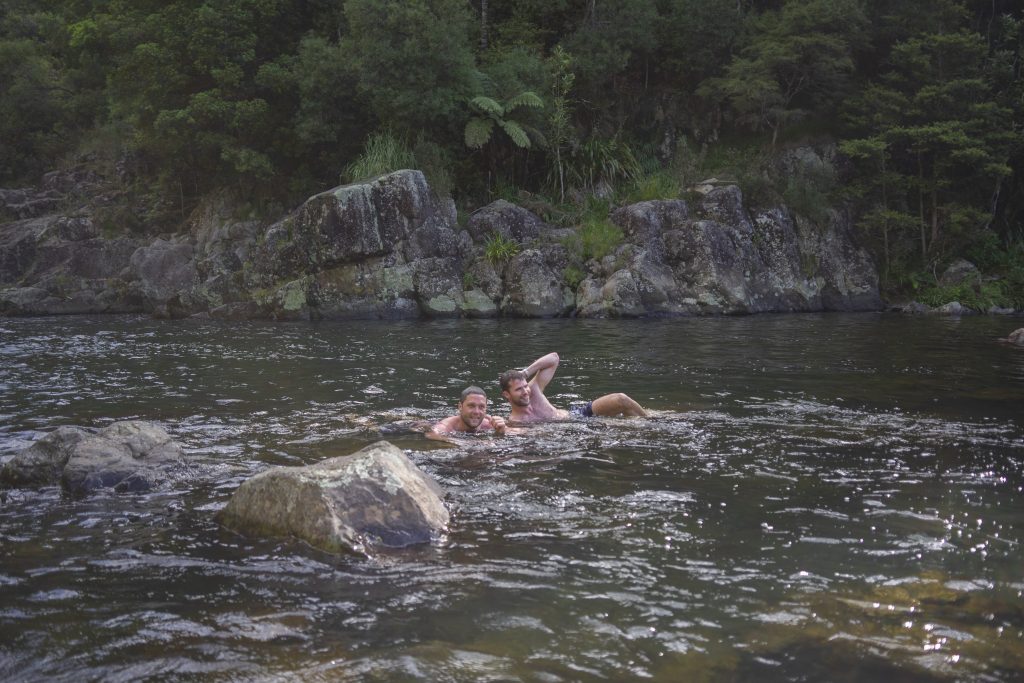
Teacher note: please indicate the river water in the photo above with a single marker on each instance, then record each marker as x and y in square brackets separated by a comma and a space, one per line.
[817, 497]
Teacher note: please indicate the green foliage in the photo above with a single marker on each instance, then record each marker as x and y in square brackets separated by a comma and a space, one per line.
[33, 108]
[490, 114]
[559, 122]
[383, 153]
[808, 191]
[595, 235]
[499, 249]
[662, 184]
[798, 58]
[607, 43]
[935, 139]
[271, 99]
[573, 276]
[435, 162]
[413, 60]
[979, 297]
[599, 237]
[601, 160]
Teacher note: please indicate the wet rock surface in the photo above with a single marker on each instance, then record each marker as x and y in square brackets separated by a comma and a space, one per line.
[374, 498]
[389, 248]
[126, 456]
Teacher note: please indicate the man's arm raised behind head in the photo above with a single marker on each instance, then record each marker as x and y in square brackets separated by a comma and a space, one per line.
[544, 369]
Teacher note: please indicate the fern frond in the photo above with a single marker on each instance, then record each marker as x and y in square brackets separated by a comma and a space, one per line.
[525, 99]
[488, 105]
[516, 133]
[536, 136]
[478, 132]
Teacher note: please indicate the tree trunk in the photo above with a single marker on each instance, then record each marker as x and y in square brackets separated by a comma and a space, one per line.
[920, 207]
[483, 25]
[885, 220]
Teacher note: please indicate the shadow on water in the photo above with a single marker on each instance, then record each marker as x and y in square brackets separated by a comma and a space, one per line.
[814, 498]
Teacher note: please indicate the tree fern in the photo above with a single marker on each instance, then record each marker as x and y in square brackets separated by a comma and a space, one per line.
[515, 133]
[480, 128]
[488, 106]
[524, 99]
[478, 132]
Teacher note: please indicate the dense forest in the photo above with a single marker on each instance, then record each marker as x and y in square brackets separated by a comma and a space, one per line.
[561, 105]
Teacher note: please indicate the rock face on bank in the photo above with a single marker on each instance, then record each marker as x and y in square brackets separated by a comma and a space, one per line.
[716, 258]
[373, 498]
[125, 456]
[388, 248]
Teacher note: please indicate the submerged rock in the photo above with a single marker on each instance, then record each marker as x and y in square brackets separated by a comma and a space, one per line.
[125, 456]
[373, 498]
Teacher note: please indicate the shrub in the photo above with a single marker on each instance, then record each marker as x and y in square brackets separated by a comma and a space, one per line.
[979, 297]
[573, 276]
[435, 163]
[808, 192]
[383, 153]
[498, 249]
[656, 185]
[599, 237]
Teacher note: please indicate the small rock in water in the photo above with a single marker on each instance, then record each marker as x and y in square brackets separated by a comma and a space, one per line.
[131, 455]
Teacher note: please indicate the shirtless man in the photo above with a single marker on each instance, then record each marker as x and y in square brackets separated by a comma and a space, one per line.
[529, 404]
[472, 417]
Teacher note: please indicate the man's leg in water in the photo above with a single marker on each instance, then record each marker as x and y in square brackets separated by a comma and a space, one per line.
[611, 405]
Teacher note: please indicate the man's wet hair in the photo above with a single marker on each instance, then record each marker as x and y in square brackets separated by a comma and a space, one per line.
[469, 391]
[506, 377]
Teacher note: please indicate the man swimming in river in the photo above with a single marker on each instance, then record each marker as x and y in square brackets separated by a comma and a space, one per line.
[524, 390]
[472, 417]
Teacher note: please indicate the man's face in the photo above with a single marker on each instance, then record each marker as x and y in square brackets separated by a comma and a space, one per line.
[472, 410]
[518, 393]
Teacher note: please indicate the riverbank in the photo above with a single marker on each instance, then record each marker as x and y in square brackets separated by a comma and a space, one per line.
[389, 248]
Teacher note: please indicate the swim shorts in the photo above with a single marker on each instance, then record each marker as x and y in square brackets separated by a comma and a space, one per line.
[582, 410]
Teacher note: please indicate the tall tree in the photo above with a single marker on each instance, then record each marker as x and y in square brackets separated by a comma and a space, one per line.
[414, 61]
[935, 120]
[797, 61]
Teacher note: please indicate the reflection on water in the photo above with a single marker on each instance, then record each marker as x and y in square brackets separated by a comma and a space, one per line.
[816, 498]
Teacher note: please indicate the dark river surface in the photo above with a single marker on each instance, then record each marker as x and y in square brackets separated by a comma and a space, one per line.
[817, 497]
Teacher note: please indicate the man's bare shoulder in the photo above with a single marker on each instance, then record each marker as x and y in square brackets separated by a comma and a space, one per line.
[449, 424]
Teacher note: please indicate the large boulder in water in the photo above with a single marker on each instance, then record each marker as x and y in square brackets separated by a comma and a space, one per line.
[125, 456]
[375, 497]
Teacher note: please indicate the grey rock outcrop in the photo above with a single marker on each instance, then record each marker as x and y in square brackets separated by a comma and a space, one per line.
[389, 248]
[374, 498]
[166, 276]
[960, 271]
[506, 220]
[59, 264]
[382, 248]
[718, 259]
[533, 289]
[124, 456]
